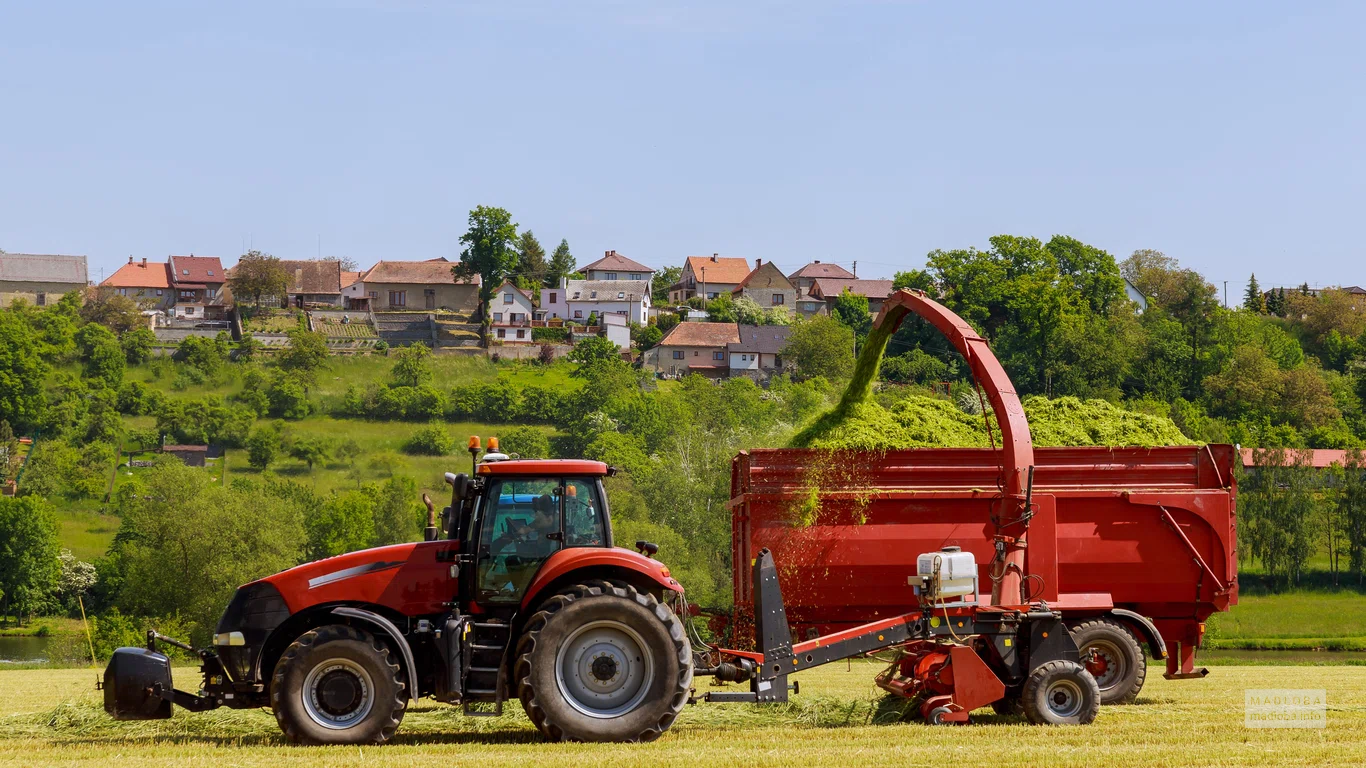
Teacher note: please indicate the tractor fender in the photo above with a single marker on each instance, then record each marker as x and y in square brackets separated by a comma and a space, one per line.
[1150, 634]
[386, 626]
[561, 567]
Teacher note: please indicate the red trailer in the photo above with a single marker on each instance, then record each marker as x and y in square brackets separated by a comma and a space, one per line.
[1142, 538]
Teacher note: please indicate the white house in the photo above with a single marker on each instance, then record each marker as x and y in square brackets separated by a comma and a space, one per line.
[579, 300]
[614, 266]
[510, 313]
[617, 331]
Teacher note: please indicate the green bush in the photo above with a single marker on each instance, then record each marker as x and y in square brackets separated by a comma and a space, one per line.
[550, 334]
[526, 442]
[431, 440]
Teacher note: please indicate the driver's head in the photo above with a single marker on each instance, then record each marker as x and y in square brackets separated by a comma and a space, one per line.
[544, 509]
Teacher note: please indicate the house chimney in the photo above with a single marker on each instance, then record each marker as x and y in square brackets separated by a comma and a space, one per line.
[856, 269]
[144, 262]
[130, 258]
[607, 253]
[817, 261]
[758, 263]
[713, 256]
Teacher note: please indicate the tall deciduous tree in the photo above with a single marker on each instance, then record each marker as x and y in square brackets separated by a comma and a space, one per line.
[22, 372]
[488, 254]
[1252, 297]
[28, 553]
[257, 275]
[661, 282]
[820, 346]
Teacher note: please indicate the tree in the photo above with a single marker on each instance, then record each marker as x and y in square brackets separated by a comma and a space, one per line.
[594, 349]
[186, 542]
[345, 523]
[28, 553]
[306, 355]
[851, 309]
[663, 280]
[412, 366]
[821, 346]
[397, 508]
[258, 275]
[310, 450]
[561, 264]
[263, 447]
[531, 263]
[489, 255]
[137, 345]
[1252, 297]
[22, 372]
[526, 442]
[915, 280]
[431, 440]
[100, 351]
[119, 314]
[722, 310]
[348, 450]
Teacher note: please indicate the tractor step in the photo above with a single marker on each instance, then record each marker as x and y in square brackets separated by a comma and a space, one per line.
[484, 667]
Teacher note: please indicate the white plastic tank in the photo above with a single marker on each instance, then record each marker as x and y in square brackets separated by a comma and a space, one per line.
[957, 571]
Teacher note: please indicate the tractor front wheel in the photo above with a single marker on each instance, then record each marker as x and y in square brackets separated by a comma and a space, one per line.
[603, 662]
[338, 685]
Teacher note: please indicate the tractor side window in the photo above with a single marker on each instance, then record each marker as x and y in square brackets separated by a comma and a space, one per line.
[582, 515]
[521, 528]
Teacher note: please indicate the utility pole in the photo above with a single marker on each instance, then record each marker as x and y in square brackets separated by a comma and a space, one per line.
[1225, 294]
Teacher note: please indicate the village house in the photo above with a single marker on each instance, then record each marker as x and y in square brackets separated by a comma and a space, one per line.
[768, 287]
[579, 300]
[805, 279]
[147, 283]
[759, 350]
[412, 285]
[40, 279]
[314, 281]
[708, 277]
[827, 289]
[614, 266]
[696, 348]
[510, 314]
[197, 282]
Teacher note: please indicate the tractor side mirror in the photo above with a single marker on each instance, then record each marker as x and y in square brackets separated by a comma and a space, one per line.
[647, 548]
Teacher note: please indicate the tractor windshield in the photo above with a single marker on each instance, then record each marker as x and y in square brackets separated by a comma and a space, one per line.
[526, 520]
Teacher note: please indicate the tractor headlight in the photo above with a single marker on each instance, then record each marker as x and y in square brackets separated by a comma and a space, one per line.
[255, 611]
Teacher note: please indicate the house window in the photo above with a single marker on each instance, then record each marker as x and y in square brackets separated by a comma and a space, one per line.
[184, 271]
[502, 334]
[779, 299]
[374, 294]
[611, 275]
[189, 311]
[578, 313]
[711, 294]
[497, 317]
[678, 354]
[398, 298]
[635, 275]
[553, 297]
[592, 294]
[40, 299]
[694, 353]
[211, 273]
[621, 294]
[521, 334]
[718, 355]
[158, 291]
[507, 298]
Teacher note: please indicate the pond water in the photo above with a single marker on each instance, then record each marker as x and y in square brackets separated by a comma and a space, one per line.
[31, 650]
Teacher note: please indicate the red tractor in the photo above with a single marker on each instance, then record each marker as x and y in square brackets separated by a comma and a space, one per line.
[526, 597]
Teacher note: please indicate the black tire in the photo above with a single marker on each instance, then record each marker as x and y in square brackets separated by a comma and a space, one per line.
[1060, 693]
[1009, 706]
[1121, 666]
[937, 716]
[338, 685]
[632, 637]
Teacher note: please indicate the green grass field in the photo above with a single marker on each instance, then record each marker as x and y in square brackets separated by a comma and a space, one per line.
[53, 717]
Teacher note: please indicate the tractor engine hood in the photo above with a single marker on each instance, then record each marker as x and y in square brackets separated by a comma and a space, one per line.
[411, 579]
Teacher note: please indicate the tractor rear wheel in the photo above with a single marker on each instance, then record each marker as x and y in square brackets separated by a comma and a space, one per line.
[1117, 660]
[338, 685]
[1060, 693]
[603, 662]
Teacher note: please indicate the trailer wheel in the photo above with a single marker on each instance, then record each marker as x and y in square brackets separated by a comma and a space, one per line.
[1060, 693]
[338, 685]
[603, 662]
[1118, 662]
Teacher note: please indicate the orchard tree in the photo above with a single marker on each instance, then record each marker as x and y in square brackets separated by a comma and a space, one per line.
[489, 255]
[306, 355]
[258, 275]
[412, 366]
[117, 313]
[821, 346]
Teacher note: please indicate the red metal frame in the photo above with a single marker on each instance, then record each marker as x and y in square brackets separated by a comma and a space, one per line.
[567, 561]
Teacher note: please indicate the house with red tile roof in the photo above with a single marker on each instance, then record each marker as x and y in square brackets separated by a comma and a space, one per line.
[805, 279]
[198, 284]
[827, 289]
[147, 283]
[768, 287]
[413, 285]
[696, 347]
[708, 277]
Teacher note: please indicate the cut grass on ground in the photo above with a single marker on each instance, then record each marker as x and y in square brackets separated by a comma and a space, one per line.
[53, 716]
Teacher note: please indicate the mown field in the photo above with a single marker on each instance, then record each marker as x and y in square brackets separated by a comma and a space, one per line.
[53, 717]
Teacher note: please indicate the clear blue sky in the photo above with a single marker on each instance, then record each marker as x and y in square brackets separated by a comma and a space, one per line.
[1228, 135]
